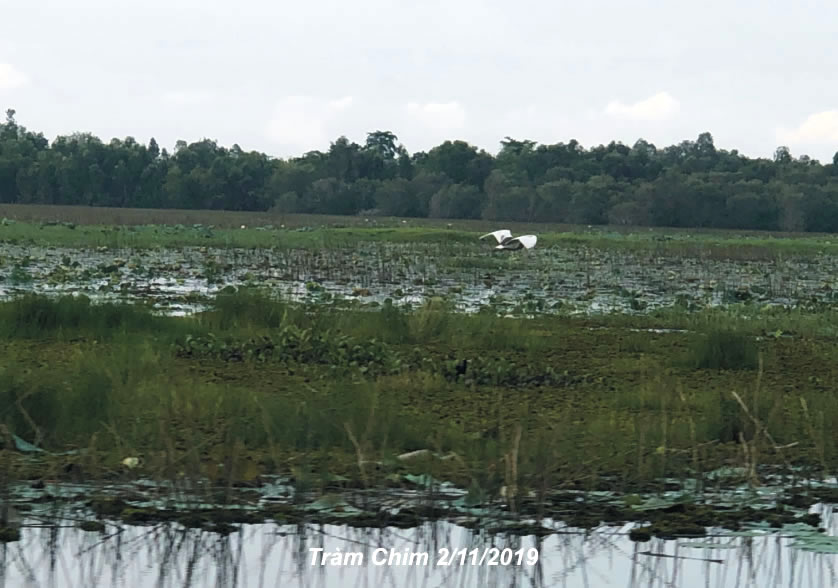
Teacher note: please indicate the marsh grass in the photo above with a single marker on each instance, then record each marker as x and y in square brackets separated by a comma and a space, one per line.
[36, 316]
[633, 419]
[249, 309]
[724, 349]
[94, 387]
[80, 226]
[256, 311]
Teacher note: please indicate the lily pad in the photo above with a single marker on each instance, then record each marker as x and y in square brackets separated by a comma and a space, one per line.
[333, 505]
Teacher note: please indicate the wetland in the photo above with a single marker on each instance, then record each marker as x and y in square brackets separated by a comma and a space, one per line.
[210, 395]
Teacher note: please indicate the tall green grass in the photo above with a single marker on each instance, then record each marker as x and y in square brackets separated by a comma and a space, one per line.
[38, 316]
[724, 349]
[257, 311]
[75, 383]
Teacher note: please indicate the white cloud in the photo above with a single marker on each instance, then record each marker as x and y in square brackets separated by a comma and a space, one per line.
[303, 122]
[821, 127]
[340, 103]
[440, 116]
[659, 107]
[187, 97]
[11, 78]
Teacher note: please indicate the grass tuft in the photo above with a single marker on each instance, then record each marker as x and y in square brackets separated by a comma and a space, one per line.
[725, 349]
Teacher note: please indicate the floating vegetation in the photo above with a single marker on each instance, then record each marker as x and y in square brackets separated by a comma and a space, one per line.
[563, 277]
[412, 499]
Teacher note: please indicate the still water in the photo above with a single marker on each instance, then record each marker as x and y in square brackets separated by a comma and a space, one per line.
[168, 555]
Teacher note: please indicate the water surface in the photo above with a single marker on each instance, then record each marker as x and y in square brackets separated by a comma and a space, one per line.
[565, 279]
[168, 555]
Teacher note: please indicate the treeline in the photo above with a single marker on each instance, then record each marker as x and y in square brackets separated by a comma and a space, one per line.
[691, 184]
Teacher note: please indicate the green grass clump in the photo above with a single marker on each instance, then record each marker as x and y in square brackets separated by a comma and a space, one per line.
[725, 349]
[248, 308]
[88, 390]
[38, 316]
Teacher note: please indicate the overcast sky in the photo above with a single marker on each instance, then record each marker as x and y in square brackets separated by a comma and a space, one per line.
[287, 77]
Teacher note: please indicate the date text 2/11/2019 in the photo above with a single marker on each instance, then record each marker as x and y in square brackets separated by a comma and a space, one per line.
[489, 556]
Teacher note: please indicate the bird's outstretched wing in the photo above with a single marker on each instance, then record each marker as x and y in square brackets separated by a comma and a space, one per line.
[499, 235]
[528, 241]
[525, 241]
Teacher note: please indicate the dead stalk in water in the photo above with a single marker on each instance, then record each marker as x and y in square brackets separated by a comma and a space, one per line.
[359, 452]
[29, 420]
[750, 448]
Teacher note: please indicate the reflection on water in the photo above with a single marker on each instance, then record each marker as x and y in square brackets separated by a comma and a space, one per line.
[168, 555]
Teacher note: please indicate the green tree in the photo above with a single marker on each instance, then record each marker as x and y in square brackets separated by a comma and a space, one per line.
[457, 201]
[383, 144]
[458, 160]
[782, 155]
[688, 184]
[396, 198]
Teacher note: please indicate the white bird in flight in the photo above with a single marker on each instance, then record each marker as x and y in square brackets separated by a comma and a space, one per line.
[507, 241]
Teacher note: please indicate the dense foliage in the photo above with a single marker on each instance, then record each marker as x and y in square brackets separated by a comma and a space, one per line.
[691, 184]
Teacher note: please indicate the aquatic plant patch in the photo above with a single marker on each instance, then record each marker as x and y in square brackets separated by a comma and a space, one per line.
[563, 277]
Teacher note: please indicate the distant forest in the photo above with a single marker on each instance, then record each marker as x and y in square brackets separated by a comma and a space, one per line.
[691, 184]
